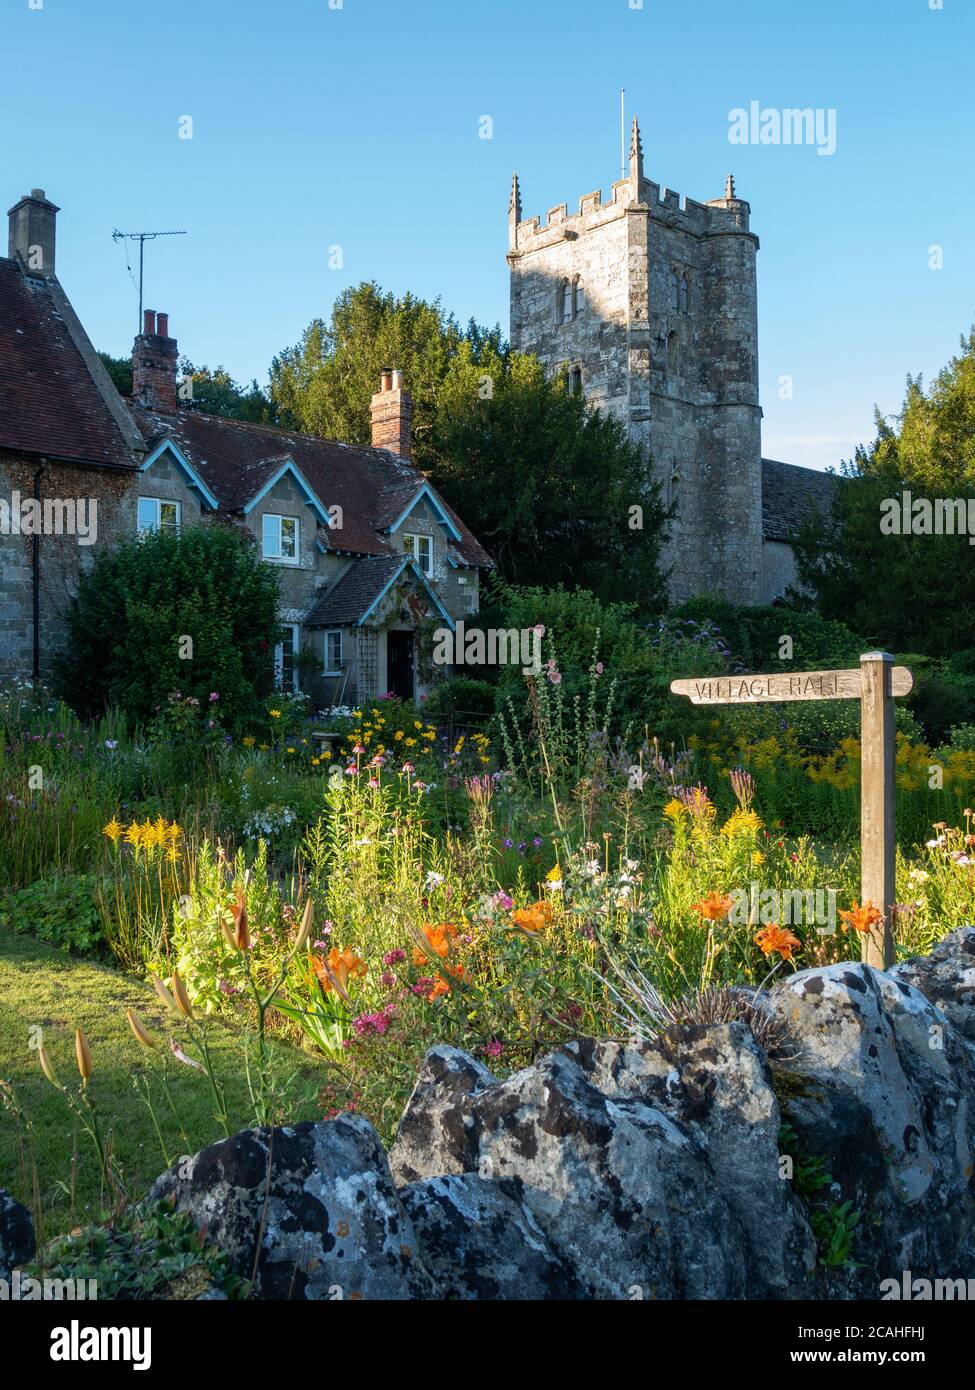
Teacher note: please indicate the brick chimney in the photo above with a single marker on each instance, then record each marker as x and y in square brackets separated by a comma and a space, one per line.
[392, 414]
[154, 358]
[31, 233]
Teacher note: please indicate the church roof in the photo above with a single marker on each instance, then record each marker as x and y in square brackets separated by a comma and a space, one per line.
[791, 495]
[51, 402]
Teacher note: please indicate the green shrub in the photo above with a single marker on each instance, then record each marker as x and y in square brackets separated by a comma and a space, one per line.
[128, 627]
[62, 911]
[942, 699]
[460, 698]
[753, 636]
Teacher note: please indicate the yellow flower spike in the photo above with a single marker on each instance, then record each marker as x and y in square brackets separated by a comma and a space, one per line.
[46, 1067]
[180, 996]
[82, 1052]
[164, 994]
[113, 830]
[139, 1029]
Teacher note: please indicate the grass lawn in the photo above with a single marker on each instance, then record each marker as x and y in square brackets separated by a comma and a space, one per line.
[42, 988]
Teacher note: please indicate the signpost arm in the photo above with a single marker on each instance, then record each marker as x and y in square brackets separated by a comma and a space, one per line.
[877, 787]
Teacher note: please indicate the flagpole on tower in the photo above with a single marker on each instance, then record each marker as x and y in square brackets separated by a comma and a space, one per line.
[622, 132]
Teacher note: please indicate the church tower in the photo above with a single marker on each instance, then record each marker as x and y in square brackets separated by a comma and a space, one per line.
[650, 302]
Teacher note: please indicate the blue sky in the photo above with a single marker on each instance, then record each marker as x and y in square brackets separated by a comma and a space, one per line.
[318, 123]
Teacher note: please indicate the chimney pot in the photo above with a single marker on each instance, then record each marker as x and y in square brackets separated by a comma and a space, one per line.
[392, 413]
[155, 356]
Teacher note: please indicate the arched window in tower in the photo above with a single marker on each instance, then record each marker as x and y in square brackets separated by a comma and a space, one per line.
[575, 381]
[565, 301]
[674, 291]
[578, 298]
[684, 294]
[673, 354]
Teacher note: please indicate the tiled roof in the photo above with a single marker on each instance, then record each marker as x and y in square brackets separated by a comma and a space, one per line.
[50, 403]
[355, 590]
[790, 495]
[372, 486]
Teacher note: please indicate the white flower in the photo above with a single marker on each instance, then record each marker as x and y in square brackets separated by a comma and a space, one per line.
[433, 880]
[554, 885]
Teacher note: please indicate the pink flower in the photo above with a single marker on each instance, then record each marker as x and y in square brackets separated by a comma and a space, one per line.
[492, 1049]
[539, 629]
[394, 957]
[408, 767]
[599, 668]
[555, 677]
[213, 696]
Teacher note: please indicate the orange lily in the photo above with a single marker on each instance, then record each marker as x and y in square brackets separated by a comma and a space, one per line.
[714, 906]
[862, 919]
[775, 938]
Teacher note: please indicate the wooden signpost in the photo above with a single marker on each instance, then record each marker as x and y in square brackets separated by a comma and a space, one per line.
[875, 685]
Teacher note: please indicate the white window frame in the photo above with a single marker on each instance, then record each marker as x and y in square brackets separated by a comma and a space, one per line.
[295, 630]
[280, 558]
[333, 668]
[157, 524]
[411, 546]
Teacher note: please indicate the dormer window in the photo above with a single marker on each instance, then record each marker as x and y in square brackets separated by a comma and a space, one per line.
[156, 514]
[421, 548]
[280, 538]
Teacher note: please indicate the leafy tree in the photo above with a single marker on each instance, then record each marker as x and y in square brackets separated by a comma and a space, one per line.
[554, 489]
[324, 384]
[216, 393]
[142, 599]
[911, 591]
[120, 370]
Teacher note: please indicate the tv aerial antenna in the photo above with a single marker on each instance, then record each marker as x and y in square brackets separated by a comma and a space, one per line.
[141, 238]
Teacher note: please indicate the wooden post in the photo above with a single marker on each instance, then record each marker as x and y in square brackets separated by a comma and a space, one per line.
[878, 840]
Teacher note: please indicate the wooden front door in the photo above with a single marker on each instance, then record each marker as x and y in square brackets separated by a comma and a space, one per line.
[399, 664]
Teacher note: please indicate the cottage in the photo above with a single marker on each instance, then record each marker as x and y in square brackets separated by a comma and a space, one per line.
[371, 559]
